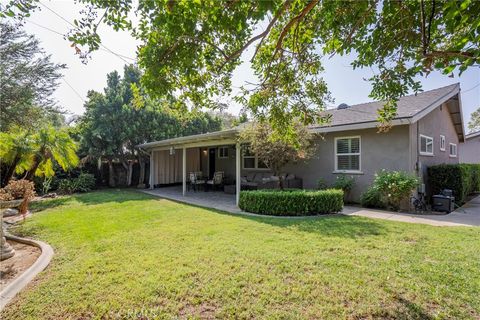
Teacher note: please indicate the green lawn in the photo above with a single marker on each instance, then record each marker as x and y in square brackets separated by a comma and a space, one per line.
[121, 252]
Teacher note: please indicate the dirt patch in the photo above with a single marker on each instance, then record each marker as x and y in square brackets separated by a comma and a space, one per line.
[25, 256]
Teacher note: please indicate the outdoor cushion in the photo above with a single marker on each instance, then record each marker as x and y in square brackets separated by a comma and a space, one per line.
[274, 178]
[243, 179]
[250, 176]
[290, 176]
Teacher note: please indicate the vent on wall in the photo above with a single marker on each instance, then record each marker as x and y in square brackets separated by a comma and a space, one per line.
[343, 106]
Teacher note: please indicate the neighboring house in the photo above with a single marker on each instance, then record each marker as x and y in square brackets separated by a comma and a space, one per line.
[426, 131]
[470, 150]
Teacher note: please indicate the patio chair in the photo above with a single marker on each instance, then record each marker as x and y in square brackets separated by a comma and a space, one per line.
[194, 181]
[217, 180]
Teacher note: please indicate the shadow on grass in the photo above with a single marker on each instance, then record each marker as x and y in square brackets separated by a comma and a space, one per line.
[335, 225]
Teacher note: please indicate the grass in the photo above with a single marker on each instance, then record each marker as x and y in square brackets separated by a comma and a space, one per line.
[121, 254]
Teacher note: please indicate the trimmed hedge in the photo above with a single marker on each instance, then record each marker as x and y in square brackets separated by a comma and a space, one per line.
[462, 178]
[291, 202]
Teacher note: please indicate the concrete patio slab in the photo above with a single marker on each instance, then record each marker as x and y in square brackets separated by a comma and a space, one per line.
[468, 215]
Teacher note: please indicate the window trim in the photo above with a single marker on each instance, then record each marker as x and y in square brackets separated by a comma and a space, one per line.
[223, 157]
[255, 157]
[423, 153]
[359, 154]
[450, 150]
[442, 143]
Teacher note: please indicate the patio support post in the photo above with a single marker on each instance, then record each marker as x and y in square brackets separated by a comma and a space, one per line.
[184, 171]
[237, 172]
[150, 179]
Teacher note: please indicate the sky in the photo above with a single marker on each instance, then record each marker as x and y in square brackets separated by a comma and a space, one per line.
[345, 84]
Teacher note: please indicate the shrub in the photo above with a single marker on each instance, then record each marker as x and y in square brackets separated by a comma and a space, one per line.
[84, 183]
[291, 202]
[372, 198]
[344, 183]
[463, 179]
[19, 189]
[394, 186]
[321, 184]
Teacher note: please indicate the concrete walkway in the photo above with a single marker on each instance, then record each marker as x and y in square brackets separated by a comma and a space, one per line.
[468, 215]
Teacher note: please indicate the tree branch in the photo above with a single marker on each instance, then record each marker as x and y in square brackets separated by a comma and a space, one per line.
[238, 52]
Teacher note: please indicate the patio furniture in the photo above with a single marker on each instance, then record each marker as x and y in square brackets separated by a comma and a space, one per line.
[195, 181]
[217, 180]
[253, 181]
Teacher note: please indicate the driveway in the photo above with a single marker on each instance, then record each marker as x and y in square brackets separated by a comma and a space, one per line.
[467, 215]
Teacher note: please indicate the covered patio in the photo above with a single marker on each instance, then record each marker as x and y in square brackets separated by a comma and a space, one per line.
[172, 160]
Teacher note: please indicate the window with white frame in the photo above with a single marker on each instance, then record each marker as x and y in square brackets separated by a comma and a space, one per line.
[453, 150]
[223, 152]
[251, 161]
[442, 143]
[347, 154]
[426, 145]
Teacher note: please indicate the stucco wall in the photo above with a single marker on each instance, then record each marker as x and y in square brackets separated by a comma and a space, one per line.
[378, 151]
[436, 123]
[470, 150]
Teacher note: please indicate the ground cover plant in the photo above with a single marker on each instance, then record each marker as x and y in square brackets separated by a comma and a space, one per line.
[118, 253]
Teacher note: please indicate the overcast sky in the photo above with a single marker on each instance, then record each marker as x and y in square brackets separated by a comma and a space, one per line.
[346, 85]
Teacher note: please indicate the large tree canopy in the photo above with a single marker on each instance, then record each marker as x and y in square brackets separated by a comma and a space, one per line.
[474, 123]
[27, 80]
[191, 48]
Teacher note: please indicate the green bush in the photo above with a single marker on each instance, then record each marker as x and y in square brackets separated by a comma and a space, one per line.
[463, 179]
[344, 183]
[291, 202]
[83, 183]
[394, 186]
[372, 198]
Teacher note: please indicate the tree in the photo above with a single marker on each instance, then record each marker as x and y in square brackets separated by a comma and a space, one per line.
[191, 48]
[273, 149]
[27, 80]
[51, 144]
[124, 116]
[474, 123]
[16, 149]
[35, 153]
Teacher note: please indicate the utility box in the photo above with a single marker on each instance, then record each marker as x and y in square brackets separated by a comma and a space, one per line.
[443, 203]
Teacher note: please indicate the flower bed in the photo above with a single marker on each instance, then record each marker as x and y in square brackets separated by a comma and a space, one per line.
[291, 202]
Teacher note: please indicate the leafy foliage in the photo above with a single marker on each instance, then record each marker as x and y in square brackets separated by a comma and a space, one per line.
[191, 48]
[344, 183]
[85, 182]
[28, 79]
[474, 123]
[277, 151]
[394, 186]
[291, 202]
[463, 179]
[372, 198]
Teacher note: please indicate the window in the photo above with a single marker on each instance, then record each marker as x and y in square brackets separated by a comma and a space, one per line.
[251, 161]
[223, 152]
[426, 145]
[347, 154]
[442, 143]
[453, 150]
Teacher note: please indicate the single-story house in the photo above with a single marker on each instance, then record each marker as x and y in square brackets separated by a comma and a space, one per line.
[469, 150]
[426, 131]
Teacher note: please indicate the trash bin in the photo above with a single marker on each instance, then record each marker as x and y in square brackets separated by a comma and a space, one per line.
[443, 203]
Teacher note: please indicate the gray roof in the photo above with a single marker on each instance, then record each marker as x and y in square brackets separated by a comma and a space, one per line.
[407, 107]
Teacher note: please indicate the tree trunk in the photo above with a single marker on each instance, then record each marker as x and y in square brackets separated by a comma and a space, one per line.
[141, 178]
[10, 171]
[111, 173]
[129, 173]
[31, 172]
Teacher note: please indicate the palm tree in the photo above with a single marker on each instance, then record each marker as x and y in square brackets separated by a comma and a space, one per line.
[51, 144]
[16, 152]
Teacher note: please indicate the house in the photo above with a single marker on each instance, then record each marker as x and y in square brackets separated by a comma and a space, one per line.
[469, 151]
[426, 131]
